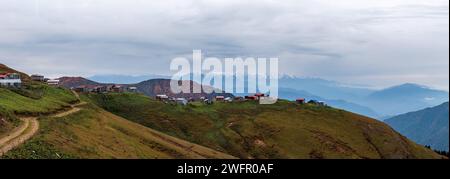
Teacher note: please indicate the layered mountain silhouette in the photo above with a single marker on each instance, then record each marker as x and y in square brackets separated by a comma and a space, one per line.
[427, 127]
[404, 98]
[380, 104]
[374, 103]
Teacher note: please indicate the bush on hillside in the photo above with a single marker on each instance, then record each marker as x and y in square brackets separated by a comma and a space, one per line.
[7, 115]
[30, 91]
[7, 120]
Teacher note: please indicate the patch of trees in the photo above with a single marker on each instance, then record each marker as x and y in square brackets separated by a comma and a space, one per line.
[440, 152]
[31, 91]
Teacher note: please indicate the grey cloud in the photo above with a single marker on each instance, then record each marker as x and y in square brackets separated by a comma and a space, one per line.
[349, 40]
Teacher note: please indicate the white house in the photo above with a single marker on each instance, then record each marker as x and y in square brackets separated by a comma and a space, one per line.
[228, 99]
[54, 82]
[132, 89]
[182, 101]
[10, 80]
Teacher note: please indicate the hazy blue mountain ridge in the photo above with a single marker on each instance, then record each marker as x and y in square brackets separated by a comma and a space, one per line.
[429, 126]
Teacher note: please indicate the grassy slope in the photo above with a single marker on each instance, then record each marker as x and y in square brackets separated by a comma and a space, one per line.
[8, 121]
[95, 133]
[91, 133]
[35, 99]
[7, 118]
[284, 130]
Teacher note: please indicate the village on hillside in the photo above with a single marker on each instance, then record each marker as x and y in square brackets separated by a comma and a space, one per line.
[13, 80]
[255, 97]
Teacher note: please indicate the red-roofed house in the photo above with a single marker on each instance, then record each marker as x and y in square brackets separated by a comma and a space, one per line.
[301, 101]
[252, 98]
[10, 80]
[260, 95]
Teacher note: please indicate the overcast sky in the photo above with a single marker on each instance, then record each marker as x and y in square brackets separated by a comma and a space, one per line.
[374, 42]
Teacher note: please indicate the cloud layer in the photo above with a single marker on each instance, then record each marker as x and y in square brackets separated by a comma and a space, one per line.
[374, 42]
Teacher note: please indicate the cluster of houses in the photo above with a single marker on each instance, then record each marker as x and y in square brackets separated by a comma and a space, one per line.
[14, 80]
[186, 101]
[104, 89]
[86, 88]
[315, 102]
[10, 80]
[205, 100]
[41, 78]
[167, 99]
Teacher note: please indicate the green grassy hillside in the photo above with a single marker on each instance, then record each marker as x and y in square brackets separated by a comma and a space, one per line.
[94, 133]
[7, 121]
[283, 130]
[35, 99]
[32, 99]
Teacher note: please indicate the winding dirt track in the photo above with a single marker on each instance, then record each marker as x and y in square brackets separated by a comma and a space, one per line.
[18, 136]
[28, 128]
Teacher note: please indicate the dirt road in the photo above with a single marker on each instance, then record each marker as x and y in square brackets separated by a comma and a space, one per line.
[28, 128]
[25, 131]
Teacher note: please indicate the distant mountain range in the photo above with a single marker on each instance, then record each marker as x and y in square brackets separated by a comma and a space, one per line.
[404, 98]
[125, 79]
[291, 94]
[326, 89]
[162, 86]
[72, 82]
[376, 103]
[427, 127]
[380, 104]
